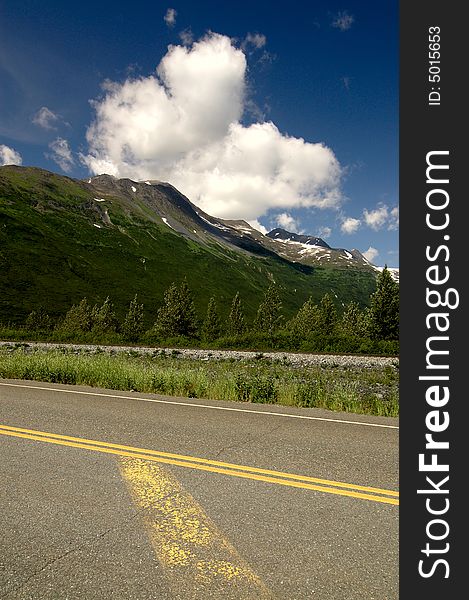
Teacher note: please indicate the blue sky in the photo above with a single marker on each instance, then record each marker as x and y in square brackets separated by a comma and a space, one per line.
[285, 115]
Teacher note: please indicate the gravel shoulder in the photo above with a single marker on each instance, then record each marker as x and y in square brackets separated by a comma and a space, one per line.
[292, 358]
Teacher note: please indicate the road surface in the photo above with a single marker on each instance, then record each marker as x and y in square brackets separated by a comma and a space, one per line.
[125, 495]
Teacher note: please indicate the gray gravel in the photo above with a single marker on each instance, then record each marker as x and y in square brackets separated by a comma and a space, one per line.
[292, 358]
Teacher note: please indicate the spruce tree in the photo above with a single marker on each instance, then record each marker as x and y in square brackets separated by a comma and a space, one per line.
[384, 308]
[133, 325]
[189, 319]
[211, 328]
[103, 318]
[78, 318]
[236, 324]
[177, 316]
[327, 315]
[306, 320]
[268, 317]
[353, 322]
[351, 317]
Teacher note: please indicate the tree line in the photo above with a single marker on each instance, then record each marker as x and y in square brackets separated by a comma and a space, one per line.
[315, 327]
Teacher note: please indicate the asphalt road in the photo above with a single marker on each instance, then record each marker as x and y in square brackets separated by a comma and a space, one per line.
[125, 495]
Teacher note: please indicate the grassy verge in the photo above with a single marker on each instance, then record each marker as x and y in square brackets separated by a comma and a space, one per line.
[371, 391]
[282, 341]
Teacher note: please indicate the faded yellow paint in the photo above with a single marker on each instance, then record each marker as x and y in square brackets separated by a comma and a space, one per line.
[253, 473]
[198, 561]
[214, 568]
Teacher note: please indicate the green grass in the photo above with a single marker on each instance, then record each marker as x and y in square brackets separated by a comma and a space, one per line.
[281, 341]
[366, 391]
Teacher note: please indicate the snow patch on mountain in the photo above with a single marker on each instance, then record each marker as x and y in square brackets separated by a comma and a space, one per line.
[165, 221]
[218, 226]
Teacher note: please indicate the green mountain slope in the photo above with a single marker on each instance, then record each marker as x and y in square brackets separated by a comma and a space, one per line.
[63, 239]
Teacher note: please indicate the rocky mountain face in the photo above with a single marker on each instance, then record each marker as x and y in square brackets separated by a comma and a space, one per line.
[180, 214]
[311, 250]
[282, 235]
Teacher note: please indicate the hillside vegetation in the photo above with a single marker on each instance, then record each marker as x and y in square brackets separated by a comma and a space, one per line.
[62, 240]
[314, 328]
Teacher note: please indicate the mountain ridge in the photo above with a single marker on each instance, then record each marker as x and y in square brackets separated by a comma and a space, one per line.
[313, 249]
[62, 239]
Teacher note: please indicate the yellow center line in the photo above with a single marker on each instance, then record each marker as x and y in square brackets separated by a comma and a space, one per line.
[242, 471]
[197, 559]
[303, 478]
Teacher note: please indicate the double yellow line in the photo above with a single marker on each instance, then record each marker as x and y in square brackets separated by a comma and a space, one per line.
[212, 466]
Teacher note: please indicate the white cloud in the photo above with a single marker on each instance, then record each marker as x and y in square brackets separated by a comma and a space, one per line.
[257, 40]
[253, 169]
[255, 223]
[350, 225]
[394, 218]
[61, 154]
[254, 110]
[182, 125]
[186, 36]
[45, 118]
[343, 20]
[170, 17]
[146, 124]
[376, 218]
[324, 232]
[9, 156]
[371, 254]
[382, 216]
[286, 221]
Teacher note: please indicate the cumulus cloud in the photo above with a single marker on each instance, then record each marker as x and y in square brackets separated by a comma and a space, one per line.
[381, 217]
[152, 122]
[255, 223]
[9, 156]
[371, 254]
[45, 118]
[170, 17]
[376, 218]
[183, 125]
[286, 221]
[343, 21]
[350, 225]
[61, 154]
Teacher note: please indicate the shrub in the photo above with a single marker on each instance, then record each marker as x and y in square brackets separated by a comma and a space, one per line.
[39, 320]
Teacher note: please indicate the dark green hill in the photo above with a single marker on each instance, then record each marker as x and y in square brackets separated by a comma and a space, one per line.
[62, 239]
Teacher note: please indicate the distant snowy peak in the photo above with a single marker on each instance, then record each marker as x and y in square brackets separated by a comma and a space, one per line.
[312, 250]
[282, 235]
